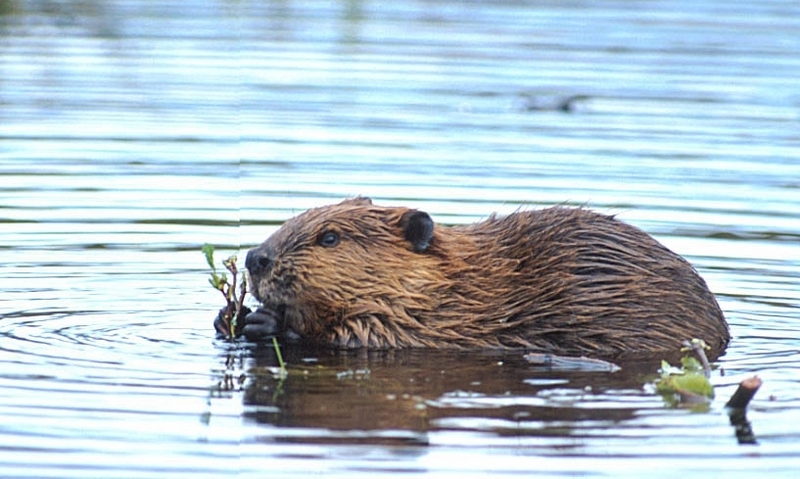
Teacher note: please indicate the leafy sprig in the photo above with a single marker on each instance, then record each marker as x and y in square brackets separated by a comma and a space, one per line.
[688, 384]
[233, 302]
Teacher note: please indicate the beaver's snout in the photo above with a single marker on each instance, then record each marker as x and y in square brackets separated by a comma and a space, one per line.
[259, 260]
[270, 319]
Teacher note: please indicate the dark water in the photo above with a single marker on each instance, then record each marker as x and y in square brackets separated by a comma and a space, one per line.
[133, 132]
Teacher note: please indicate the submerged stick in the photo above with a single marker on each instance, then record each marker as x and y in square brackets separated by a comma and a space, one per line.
[737, 410]
[744, 393]
[567, 363]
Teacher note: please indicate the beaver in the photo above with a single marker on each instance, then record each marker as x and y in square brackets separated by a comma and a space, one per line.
[562, 280]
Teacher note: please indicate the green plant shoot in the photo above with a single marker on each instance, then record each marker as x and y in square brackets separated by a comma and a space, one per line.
[219, 281]
[688, 384]
[282, 371]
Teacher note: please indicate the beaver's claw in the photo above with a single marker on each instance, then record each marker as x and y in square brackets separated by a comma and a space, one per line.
[260, 324]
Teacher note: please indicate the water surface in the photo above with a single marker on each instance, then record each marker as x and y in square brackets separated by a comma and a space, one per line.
[133, 132]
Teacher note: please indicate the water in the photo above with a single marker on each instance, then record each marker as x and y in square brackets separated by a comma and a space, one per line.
[133, 132]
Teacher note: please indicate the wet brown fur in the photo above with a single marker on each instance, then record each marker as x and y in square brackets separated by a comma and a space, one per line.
[560, 280]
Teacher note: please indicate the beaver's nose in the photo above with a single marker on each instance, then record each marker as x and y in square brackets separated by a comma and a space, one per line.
[259, 260]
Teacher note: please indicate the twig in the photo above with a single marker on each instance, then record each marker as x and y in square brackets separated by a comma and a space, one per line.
[234, 304]
[699, 347]
[737, 410]
[744, 393]
[240, 302]
[231, 298]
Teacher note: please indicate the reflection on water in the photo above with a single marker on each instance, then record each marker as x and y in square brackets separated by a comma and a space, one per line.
[399, 391]
[133, 132]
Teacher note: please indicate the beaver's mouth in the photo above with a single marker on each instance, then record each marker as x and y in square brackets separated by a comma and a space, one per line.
[266, 322]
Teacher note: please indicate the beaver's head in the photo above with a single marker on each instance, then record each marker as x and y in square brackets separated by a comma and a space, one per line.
[339, 274]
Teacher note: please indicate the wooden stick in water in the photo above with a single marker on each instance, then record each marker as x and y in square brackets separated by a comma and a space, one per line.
[747, 389]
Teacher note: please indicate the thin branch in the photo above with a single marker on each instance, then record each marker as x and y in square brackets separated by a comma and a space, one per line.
[698, 346]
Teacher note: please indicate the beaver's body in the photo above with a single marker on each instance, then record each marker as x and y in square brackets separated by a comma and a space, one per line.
[561, 280]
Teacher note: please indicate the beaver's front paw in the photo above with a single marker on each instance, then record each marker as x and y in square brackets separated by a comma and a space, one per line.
[261, 324]
[221, 325]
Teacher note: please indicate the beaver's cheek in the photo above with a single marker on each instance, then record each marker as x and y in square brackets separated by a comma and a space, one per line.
[261, 324]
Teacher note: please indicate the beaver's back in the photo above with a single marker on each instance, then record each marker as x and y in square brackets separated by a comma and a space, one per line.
[572, 281]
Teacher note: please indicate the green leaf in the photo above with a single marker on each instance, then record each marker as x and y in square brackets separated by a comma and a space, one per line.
[667, 369]
[688, 382]
[693, 383]
[208, 251]
[218, 280]
[691, 364]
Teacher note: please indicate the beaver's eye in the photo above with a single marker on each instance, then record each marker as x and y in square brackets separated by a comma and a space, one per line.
[328, 239]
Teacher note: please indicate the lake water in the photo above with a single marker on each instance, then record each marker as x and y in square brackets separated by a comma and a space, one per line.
[132, 132]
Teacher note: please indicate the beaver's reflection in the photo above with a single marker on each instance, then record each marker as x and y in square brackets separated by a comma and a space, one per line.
[400, 395]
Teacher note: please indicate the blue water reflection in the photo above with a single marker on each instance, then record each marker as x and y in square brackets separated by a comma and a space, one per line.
[132, 132]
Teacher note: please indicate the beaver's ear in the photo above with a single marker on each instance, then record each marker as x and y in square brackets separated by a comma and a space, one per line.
[417, 228]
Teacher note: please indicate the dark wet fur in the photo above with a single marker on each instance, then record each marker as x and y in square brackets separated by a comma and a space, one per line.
[561, 280]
